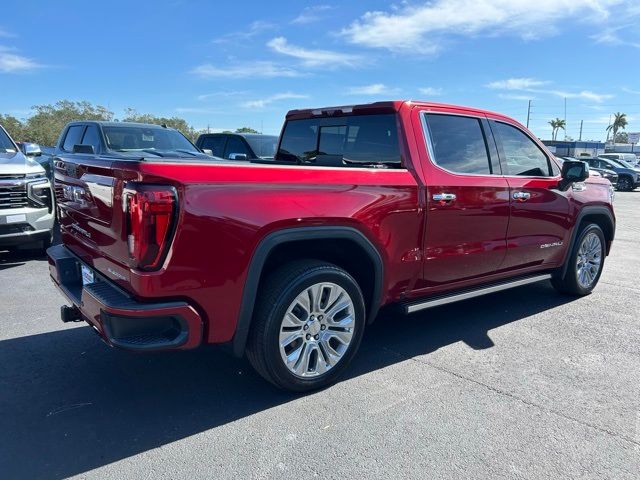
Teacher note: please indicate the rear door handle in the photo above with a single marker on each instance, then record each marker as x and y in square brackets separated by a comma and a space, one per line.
[521, 196]
[444, 197]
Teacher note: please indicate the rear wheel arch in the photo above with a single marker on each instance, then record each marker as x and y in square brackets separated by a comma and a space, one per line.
[345, 247]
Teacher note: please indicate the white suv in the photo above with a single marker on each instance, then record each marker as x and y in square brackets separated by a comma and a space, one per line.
[26, 199]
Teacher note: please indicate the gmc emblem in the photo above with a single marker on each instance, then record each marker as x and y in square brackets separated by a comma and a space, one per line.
[74, 194]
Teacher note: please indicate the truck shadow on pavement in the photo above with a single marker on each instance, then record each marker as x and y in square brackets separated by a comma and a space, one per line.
[69, 404]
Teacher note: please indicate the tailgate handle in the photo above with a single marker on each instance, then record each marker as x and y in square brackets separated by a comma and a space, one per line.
[521, 196]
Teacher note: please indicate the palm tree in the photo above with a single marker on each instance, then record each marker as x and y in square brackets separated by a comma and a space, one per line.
[556, 125]
[619, 123]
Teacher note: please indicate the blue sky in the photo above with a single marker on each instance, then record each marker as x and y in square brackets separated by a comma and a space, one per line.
[231, 64]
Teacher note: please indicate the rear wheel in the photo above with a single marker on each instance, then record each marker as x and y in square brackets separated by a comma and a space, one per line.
[585, 262]
[307, 326]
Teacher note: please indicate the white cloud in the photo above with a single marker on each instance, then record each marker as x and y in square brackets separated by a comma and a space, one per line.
[262, 103]
[584, 94]
[423, 28]
[431, 91]
[311, 14]
[6, 34]
[254, 29]
[243, 70]
[230, 93]
[373, 89]
[630, 90]
[313, 58]
[611, 36]
[530, 84]
[11, 62]
[516, 84]
[515, 96]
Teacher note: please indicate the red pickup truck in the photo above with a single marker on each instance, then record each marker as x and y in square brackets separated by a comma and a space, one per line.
[399, 203]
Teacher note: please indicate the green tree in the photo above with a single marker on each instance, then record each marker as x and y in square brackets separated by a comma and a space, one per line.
[619, 123]
[621, 137]
[556, 125]
[45, 125]
[131, 115]
[13, 126]
[246, 130]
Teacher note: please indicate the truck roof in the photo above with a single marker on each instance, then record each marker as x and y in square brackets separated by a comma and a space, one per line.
[117, 124]
[390, 106]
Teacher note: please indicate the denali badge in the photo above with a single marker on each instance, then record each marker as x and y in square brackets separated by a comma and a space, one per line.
[116, 274]
[81, 230]
[548, 245]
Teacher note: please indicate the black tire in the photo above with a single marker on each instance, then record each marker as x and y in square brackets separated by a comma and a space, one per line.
[570, 284]
[625, 183]
[279, 290]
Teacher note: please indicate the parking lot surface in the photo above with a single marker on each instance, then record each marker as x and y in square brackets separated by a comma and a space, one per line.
[520, 384]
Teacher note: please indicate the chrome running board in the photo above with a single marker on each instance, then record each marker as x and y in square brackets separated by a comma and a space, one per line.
[456, 297]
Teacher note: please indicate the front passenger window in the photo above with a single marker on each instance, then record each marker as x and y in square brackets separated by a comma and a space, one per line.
[521, 156]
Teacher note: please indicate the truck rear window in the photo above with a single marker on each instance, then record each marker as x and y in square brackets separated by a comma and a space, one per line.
[349, 141]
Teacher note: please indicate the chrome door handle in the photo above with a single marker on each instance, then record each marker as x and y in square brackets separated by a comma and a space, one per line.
[444, 197]
[521, 196]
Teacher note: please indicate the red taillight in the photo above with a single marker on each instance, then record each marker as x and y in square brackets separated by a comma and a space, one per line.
[150, 214]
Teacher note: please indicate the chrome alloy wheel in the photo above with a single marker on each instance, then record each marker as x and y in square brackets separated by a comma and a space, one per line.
[589, 260]
[317, 329]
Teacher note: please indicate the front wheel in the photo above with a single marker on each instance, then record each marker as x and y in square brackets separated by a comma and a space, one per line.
[307, 326]
[625, 184]
[585, 262]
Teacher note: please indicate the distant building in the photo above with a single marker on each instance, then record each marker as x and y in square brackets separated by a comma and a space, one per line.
[622, 148]
[574, 149]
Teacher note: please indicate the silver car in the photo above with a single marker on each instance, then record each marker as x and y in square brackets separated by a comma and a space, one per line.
[26, 199]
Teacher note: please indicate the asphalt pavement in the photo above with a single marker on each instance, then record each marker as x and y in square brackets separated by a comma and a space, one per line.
[525, 383]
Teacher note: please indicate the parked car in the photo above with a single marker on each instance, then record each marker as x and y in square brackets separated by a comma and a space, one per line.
[124, 141]
[610, 175]
[409, 204]
[628, 176]
[26, 199]
[239, 146]
[629, 158]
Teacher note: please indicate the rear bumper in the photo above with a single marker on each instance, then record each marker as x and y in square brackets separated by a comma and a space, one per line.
[121, 320]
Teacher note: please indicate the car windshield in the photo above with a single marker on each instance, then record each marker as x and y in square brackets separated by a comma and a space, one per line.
[147, 139]
[6, 145]
[620, 163]
[263, 145]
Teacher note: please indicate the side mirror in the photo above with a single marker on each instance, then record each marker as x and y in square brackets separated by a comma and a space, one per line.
[87, 149]
[207, 151]
[238, 156]
[31, 149]
[573, 171]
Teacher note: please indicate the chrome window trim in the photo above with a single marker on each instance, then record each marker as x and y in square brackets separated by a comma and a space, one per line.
[427, 136]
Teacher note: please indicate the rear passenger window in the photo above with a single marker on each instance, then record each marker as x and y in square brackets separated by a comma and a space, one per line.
[521, 155]
[215, 144]
[347, 141]
[74, 134]
[92, 137]
[458, 144]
